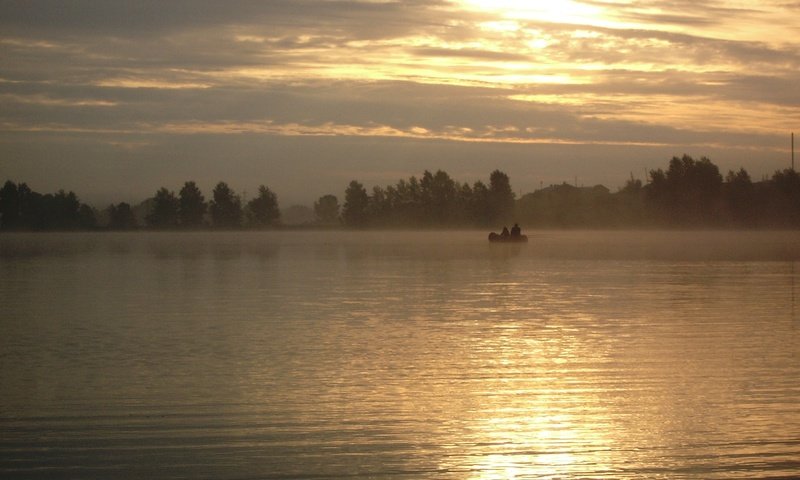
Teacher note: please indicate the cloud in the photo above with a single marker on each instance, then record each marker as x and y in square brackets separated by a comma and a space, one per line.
[472, 54]
[102, 18]
[134, 78]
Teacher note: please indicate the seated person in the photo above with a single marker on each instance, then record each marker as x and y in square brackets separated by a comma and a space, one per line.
[516, 231]
[505, 233]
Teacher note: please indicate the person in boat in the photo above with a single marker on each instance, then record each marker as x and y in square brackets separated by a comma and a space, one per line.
[516, 231]
[505, 232]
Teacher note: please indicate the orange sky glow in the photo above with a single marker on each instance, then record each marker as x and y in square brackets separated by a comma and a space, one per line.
[160, 93]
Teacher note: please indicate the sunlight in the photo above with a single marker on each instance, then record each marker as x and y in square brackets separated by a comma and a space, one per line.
[556, 11]
[530, 420]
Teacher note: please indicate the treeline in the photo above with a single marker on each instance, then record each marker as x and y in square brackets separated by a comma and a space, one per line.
[688, 194]
[434, 200]
[23, 209]
[190, 210]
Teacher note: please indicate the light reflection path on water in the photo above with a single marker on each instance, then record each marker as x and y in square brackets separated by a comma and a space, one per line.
[291, 355]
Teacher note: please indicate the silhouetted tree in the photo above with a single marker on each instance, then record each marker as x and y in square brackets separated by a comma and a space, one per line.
[740, 200]
[22, 208]
[192, 206]
[688, 193]
[356, 202]
[378, 207]
[120, 217]
[480, 206]
[559, 206]
[439, 193]
[628, 204]
[226, 207]
[65, 210]
[326, 209]
[263, 211]
[633, 186]
[10, 214]
[87, 219]
[435, 200]
[33, 207]
[406, 202]
[785, 204]
[501, 197]
[461, 213]
[165, 210]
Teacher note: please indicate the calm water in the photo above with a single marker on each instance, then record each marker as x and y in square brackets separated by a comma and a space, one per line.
[418, 355]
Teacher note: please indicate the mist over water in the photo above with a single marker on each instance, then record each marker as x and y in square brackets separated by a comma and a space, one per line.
[400, 354]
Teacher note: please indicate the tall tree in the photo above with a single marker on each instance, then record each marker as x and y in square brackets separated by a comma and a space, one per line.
[378, 207]
[31, 207]
[87, 219]
[442, 195]
[9, 206]
[477, 207]
[785, 190]
[165, 210]
[688, 193]
[501, 197]
[192, 206]
[739, 196]
[63, 211]
[406, 201]
[263, 211]
[226, 207]
[327, 209]
[356, 203]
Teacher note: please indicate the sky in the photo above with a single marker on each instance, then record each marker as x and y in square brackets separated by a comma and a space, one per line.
[115, 99]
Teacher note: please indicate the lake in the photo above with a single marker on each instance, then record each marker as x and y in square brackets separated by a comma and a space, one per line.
[407, 355]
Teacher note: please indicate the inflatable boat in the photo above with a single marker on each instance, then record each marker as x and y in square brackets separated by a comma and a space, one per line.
[494, 237]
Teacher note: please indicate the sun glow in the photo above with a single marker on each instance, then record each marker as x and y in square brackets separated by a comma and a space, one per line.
[555, 11]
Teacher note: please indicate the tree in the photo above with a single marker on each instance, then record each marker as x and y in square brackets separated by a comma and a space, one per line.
[121, 217]
[739, 194]
[441, 194]
[785, 193]
[192, 206]
[462, 213]
[165, 210]
[327, 209]
[87, 219]
[501, 197]
[263, 211]
[628, 204]
[356, 202]
[633, 186]
[406, 202]
[689, 192]
[59, 211]
[62, 211]
[226, 207]
[480, 210]
[378, 207]
[9, 206]
[31, 206]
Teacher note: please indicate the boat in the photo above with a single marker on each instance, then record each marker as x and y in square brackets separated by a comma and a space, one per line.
[495, 237]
